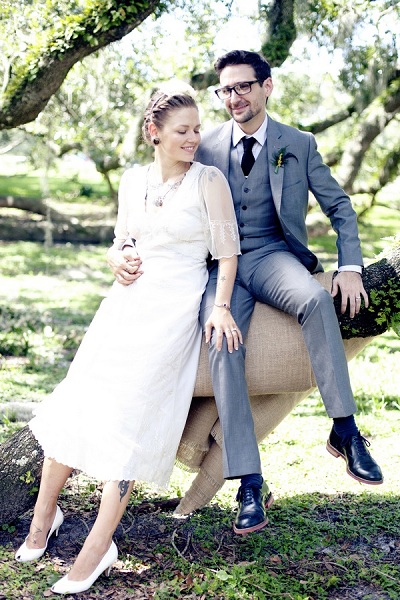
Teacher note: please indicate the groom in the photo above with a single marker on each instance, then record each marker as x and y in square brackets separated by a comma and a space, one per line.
[271, 168]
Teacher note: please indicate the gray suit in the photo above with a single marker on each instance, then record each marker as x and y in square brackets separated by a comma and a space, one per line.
[275, 268]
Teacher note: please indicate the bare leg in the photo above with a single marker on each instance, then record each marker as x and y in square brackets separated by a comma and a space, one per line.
[114, 500]
[54, 476]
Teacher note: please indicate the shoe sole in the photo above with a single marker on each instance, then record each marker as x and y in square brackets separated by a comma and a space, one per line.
[268, 503]
[335, 452]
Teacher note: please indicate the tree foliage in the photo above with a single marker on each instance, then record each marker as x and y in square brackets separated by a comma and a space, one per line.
[36, 68]
[352, 106]
[365, 34]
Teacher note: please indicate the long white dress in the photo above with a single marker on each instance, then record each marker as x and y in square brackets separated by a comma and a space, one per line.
[120, 411]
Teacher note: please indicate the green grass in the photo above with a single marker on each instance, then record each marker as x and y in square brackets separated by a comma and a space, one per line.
[328, 536]
[379, 224]
[47, 299]
[66, 181]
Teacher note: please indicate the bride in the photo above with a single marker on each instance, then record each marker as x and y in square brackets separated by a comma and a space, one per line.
[120, 412]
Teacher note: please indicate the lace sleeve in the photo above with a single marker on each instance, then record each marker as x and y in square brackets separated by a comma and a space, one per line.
[219, 220]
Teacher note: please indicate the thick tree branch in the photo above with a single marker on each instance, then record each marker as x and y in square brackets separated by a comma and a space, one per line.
[380, 113]
[32, 205]
[389, 173]
[280, 33]
[63, 228]
[382, 283]
[26, 95]
[320, 126]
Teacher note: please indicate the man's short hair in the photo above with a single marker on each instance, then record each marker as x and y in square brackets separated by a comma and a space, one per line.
[261, 67]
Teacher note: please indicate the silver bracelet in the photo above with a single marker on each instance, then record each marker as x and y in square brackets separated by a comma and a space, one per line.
[224, 305]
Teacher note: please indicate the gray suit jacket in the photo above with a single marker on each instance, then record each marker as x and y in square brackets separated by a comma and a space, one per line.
[304, 171]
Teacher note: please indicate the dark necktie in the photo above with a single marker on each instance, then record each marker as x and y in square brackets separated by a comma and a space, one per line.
[248, 157]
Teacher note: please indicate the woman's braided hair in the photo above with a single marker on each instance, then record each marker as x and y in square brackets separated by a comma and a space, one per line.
[159, 108]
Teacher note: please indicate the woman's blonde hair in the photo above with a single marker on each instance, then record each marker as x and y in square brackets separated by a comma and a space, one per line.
[161, 104]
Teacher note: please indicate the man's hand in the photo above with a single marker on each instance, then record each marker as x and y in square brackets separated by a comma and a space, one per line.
[125, 264]
[351, 287]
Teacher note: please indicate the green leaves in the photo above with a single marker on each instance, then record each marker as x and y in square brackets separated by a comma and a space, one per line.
[386, 304]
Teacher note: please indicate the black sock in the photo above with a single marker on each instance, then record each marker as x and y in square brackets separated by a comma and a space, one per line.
[254, 480]
[345, 427]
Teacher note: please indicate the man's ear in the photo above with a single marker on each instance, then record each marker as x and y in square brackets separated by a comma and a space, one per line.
[268, 86]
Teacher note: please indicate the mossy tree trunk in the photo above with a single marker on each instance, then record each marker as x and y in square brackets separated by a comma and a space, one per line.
[21, 457]
[382, 283]
[21, 460]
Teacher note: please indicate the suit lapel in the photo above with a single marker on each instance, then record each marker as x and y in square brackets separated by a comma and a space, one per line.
[222, 148]
[274, 144]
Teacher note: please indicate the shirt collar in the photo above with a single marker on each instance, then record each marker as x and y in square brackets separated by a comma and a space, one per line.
[260, 135]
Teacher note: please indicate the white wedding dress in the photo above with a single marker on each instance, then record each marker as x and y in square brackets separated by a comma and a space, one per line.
[120, 411]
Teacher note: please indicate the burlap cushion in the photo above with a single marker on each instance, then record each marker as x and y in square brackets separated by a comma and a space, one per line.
[276, 358]
[277, 365]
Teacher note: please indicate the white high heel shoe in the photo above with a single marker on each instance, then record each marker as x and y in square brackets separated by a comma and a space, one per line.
[25, 554]
[65, 586]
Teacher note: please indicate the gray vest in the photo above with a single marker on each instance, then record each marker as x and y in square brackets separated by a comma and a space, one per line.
[256, 215]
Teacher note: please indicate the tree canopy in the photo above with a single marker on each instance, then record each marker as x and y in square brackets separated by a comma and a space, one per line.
[335, 64]
[63, 34]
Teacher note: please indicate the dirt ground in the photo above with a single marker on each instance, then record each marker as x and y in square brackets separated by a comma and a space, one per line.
[150, 526]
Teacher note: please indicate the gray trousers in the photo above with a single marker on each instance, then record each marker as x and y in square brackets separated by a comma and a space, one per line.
[280, 280]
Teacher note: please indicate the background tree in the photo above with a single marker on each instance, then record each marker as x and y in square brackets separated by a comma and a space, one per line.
[97, 109]
[335, 67]
[60, 34]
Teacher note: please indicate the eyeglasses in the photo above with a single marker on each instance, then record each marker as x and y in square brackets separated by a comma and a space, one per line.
[241, 89]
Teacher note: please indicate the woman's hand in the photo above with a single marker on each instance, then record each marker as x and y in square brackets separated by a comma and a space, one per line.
[125, 264]
[224, 324]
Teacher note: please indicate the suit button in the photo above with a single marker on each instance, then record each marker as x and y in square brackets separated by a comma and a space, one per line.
[241, 224]
[241, 237]
[244, 207]
[246, 190]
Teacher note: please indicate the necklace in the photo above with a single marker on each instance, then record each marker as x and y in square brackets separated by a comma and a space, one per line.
[157, 192]
[157, 195]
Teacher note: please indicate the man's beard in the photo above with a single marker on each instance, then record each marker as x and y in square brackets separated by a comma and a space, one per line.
[243, 117]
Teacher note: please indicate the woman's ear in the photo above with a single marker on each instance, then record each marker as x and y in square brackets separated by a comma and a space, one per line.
[152, 129]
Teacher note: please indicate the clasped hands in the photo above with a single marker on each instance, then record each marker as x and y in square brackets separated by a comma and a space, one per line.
[125, 264]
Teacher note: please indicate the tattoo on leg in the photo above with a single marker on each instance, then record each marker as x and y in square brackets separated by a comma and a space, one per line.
[33, 534]
[123, 489]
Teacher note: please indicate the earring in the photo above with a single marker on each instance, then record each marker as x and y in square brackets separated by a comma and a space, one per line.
[156, 141]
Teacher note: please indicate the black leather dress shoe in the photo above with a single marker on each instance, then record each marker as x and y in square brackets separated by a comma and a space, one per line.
[360, 463]
[252, 505]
